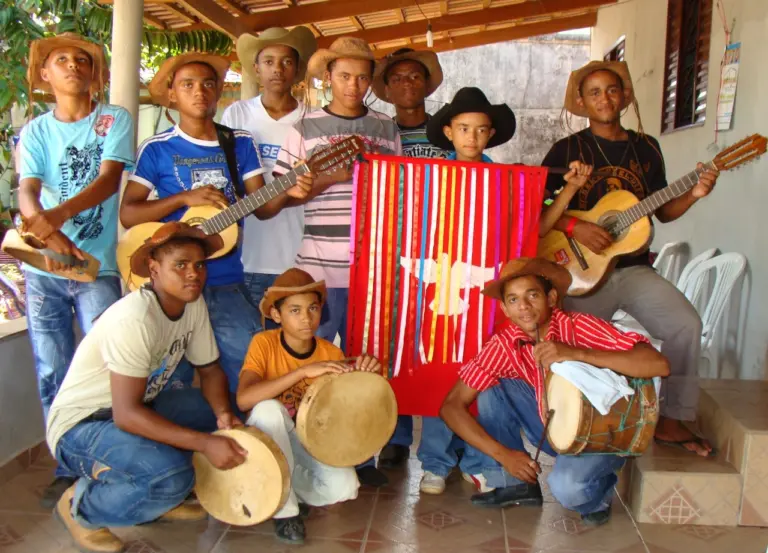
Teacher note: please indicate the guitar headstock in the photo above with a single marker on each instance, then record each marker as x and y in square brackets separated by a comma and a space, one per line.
[740, 153]
[331, 158]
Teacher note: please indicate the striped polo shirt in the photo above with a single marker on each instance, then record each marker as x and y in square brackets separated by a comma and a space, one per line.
[324, 251]
[416, 143]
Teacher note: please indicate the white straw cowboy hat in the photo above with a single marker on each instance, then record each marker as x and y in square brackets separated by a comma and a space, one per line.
[427, 58]
[40, 49]
[299, 38]
[345, 47]
[573, 92]
[160, 85]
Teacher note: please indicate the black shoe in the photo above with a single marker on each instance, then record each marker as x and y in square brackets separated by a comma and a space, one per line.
[371, 476]
[596, 519]
[290, 530]
[55, 490]
[304, 510]
[524, 495]
[393, 456]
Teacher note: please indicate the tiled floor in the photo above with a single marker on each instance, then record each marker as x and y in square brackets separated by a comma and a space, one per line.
[393, 520]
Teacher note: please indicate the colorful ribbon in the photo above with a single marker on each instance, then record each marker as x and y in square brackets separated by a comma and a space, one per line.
[468, 274]
[388, 276]
[451, 261]
[407, 285]
[497, 250]
[368, 323]
[377, 322]
[438, 259]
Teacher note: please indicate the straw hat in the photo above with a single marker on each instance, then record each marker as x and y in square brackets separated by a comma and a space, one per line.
[472, 100]
[291, 282]
[160, 85]
[40, 49]
[572, 93]
[530, 266]
[175, 229]
[344, 47]
[299, 38]
[427, 58]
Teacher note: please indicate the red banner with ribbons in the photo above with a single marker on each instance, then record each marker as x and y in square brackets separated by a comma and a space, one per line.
[427, 235]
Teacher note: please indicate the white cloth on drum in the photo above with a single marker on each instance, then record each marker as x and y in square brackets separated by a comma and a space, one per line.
[602, 387]
[312, 482]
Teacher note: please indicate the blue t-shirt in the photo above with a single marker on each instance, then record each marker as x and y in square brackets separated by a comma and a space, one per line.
[67, 157]
[172, 162]
[485, 158]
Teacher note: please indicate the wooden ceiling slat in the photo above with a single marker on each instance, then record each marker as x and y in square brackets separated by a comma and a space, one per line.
[179, 14]
[213, 14]
[545, 8]
[232, 7]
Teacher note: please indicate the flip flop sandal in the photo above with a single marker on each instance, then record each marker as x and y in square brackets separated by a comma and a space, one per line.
[698, 440]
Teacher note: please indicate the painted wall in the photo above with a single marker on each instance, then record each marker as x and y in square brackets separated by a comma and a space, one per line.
[732, 217]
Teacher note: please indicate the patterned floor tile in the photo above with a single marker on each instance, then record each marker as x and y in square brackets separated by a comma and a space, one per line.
[27, 533]
[176, 537]
[705, 539]
[245, 542]
[23, 492]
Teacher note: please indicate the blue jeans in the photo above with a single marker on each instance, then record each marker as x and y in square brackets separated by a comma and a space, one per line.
[439, 446]
[124, 479]
[51, 302]
[235, 321]
[257, 284]
[334, 317]
[581, 483]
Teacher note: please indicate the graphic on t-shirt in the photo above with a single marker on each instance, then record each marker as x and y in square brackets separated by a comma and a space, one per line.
[103, 124]
[269, 151]
[209, 177]
[78, 169]
[194, 172]
[423, 150]
[160, 377]
[612, 178]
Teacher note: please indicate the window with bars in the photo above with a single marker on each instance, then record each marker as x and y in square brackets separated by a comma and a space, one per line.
[686, 71]
[616, 53]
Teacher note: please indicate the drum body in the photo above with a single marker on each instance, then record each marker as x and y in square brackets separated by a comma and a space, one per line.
[250, 493]
[578, 428]
[345, 419]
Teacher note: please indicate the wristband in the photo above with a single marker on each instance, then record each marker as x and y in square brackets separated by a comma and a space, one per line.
[569, 228]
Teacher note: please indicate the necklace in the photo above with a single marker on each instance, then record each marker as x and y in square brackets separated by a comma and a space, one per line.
[608, 161]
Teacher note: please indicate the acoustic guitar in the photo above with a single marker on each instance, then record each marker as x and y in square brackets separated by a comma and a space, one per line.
[213, 220]
[627, 220]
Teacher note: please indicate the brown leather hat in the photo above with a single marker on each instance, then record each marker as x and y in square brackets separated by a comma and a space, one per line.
[140, 258]
[530, 266]
[291, 282]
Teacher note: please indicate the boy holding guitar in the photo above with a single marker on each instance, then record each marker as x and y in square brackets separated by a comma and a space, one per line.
[188, 165]
[71, 161]
[628, 160]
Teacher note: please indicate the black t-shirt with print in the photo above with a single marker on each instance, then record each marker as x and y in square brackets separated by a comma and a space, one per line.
[636, 165]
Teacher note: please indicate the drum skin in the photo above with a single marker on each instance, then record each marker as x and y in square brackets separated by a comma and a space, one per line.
[250, 493]
[345, 419]
[587, 431]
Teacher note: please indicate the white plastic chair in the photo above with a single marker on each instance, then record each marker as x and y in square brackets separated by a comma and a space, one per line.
[727, 270]
[706, 255]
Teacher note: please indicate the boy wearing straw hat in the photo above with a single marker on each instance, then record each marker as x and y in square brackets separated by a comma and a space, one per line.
[277, 60]
[115, 424]
[281, 364]
[176, 166]
[507, 379]
[71, 161]
[346, 69]
[632, 161]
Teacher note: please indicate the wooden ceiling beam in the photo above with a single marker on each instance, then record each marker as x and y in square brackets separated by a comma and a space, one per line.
[214, 15]
[468, 19]
[179, 13]
[232, 6]
[356, 22]
[400, 14]
[155, 22]
[486, 4]
[503, 35]
[443, 8]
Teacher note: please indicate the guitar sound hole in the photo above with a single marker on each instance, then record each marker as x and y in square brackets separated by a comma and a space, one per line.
[609, 221]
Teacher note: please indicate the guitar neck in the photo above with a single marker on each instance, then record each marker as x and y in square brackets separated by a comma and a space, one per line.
[653, 202]
[244, 207]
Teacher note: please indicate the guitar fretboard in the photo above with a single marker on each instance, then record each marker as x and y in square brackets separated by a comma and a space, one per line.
[653, 202]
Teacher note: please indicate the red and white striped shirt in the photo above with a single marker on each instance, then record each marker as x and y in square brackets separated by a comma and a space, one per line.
[509, 353]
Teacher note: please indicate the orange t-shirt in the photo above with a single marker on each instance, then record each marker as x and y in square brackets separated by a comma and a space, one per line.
[270, 358]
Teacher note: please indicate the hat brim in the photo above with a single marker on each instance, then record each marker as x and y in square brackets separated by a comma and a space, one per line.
[573, 94]
[276, 293]
[42, 48]
[502, 120]
[318, 63]
[299, 38]
[427, 58]
[559, 277]
[140, 258]
[160, 85]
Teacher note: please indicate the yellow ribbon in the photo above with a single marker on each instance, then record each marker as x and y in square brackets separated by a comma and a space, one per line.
[459, 251]
[391, 241]
[438, 259]
[448, 299]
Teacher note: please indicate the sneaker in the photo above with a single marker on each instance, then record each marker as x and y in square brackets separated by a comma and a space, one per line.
[432, 484]
[186, 512]
[478, 481]
[523, 495]
[92, 541]
[55, 489]
[290, 530]
[371, 476]
[393, 456]
[596, 519]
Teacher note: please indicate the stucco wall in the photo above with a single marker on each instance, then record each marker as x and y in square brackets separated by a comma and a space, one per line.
[732, 218]
[529, 76]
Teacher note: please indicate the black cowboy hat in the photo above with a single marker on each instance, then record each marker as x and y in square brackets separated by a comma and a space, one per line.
[472, 100]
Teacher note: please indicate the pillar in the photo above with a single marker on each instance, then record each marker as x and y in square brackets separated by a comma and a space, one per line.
[249, 88]
[127, 24]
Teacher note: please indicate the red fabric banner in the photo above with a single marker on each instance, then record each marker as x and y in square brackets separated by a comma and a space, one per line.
[427, 235]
